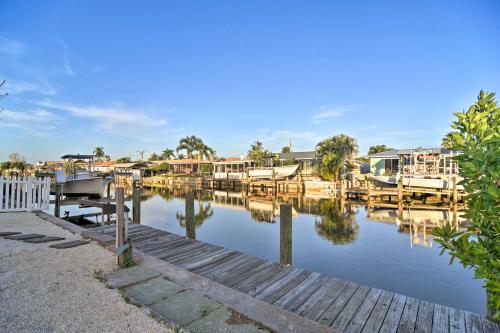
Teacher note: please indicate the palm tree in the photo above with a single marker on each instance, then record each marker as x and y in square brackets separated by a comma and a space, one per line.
[167, 154]
[335, 152]
[336, 223]
[192, 144]
[188, 144]
[99, 153]
[378, 149]
[153, 157]
[451, 140]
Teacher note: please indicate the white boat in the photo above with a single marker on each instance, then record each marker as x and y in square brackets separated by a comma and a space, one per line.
[267, 173]
[79, 183]
[444, 182]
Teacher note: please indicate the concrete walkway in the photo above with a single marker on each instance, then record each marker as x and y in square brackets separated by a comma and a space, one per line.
[171, 302]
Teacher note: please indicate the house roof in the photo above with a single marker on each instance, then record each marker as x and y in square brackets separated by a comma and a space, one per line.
[233, 160]
[132, 165]
[298, 155]
[394, 153]
[188, 161]
[105, 163]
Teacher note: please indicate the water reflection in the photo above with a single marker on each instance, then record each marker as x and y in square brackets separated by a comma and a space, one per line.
[337, 222]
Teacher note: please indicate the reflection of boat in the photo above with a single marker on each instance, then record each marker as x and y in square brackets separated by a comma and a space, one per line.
[79, 182]
[423, 181]
[433, 218]
[268, 206]
[267, 173]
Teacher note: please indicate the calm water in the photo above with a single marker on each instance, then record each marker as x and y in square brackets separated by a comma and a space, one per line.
[328, 237]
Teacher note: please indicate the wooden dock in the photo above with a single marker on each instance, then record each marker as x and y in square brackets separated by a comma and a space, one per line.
[341, 305]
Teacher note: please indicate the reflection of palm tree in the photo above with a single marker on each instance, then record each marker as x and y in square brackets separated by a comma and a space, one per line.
[204, 213]
[335, 225]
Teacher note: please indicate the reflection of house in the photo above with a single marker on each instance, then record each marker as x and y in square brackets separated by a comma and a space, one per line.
[187, 166]
[419, 161]
[308, 160]
[232, 168]
[49, 166]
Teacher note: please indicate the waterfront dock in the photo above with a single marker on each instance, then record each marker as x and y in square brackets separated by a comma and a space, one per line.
[340, 306]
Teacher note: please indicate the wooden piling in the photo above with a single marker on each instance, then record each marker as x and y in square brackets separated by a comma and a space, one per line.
[136, 202]
[123, 246]
[455, 191]
[57, 206]
[190, 224]
[400, 188]
[285, 235]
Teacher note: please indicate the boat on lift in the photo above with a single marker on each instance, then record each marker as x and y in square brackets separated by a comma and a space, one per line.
[78, 178]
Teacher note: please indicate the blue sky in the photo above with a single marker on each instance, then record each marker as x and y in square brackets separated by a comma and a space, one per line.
[129, 75]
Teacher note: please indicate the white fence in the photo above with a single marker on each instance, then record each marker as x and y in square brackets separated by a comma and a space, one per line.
[24, 194]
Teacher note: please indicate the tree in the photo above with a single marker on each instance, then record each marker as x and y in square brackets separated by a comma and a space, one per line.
[285, 149]
[154, 157]
[167, 154]
[335, 152]
[181, 156]
[337, 223]
[123, 160]
[16, 157]
[258, 154]
[477, 135]
[99, 154]
[193, 145]
[378, 149]
[448, 140]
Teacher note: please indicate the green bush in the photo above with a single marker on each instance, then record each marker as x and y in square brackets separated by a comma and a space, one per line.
[477, 135]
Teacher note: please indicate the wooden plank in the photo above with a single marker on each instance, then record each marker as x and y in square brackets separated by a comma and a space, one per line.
[321, 300]
[409, 316]
[313, 282]
[233, 262]
[376, 318]
[251, 281]
[301, 298]
[244, 276]
[338, 304]
[473, 322]
[182, 251]
[163, 247]
[160, 240]
[424, 317]
[272, 294]
[213, 263]
[457, 321]
[489, 326]
[440, 319]
[394, 313]
[235, 272]
[199, 256]
[347, 313]
[262, 285]
[364, 310]
[225, 254]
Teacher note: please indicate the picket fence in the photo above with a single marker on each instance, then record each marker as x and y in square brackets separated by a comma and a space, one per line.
[18, 194]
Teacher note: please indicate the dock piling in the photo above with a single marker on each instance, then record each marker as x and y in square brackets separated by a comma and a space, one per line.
[285, 235]
[123, 246]
[57, 206]
[190, 226]
[136, 204]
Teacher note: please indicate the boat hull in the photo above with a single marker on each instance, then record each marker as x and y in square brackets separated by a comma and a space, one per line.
[83, 187]
[418, 182]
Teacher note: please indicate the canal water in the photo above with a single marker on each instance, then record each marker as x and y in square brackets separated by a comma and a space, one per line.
[376, 248]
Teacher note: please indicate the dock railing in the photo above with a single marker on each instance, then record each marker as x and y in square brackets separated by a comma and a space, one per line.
[18, 194]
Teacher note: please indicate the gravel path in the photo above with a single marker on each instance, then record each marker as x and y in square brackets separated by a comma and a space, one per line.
[49, 290]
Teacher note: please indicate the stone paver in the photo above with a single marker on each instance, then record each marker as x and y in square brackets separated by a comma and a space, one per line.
[221, 321]
[24, 236]
[184, 308]
[70, 244]
[43, 240]
[152, 290]
[128, 276]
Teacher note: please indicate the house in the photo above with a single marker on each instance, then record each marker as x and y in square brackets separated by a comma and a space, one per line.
[413, 160]
[104, 166]
[125, 169]
[188, 166]
[232, 168]
[308, 160]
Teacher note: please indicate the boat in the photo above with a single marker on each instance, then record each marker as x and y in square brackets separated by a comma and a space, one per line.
[444, 182]
[276, 172]
[80, 182]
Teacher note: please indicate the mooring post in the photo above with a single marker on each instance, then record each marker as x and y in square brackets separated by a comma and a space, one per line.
[136, 202]
[57, 206]
[400, 188]
[123, 246]
[285, 235]
[190, 226]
